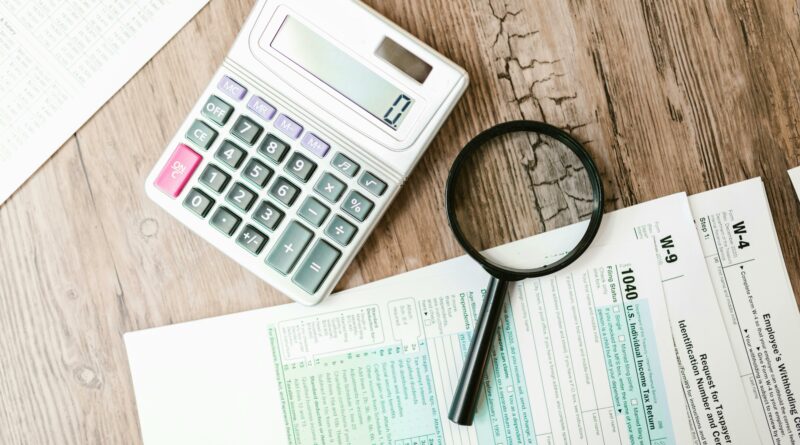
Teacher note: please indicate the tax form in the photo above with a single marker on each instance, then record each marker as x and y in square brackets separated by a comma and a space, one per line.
[752, 285]
[715, 397]
[60, 60]
[794, 174]
[584, 356]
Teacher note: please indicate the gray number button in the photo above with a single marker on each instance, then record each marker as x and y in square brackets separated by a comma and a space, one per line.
[247, 130]
[316, 266]
[300, 167]
[201, 134]
[268, 215]
[198, 202]
[284, 191]
[313, 211]
[225, 221]
[330, 187]
[217, 110]
[273, 148]
[230, 154]
[372, 183]
[214, 178]
[256, 172]
[241, 197]
[289, 247]
[340, 230]
[357, 205]
[345, 165]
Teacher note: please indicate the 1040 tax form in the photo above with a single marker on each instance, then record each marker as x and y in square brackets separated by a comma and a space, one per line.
[582, 356]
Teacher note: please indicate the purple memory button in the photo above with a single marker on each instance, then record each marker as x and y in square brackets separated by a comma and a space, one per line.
[288, 127]
[232, 88]
[261, 107]
[315, 144]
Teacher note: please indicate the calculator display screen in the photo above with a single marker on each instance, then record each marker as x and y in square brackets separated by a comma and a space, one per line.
[327, 62]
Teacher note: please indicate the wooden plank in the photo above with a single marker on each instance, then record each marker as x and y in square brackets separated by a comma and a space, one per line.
[668, 96]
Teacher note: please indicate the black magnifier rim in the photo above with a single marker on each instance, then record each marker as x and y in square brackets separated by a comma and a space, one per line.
[512, 274]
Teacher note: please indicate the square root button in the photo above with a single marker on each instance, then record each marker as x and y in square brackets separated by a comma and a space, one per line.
[315, 145]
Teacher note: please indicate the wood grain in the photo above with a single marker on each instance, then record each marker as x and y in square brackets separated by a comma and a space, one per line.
[668, 96]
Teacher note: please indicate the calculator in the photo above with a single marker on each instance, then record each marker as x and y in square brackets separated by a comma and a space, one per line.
[303, 137]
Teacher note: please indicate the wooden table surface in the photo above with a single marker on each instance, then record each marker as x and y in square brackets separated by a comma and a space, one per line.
[668, 96]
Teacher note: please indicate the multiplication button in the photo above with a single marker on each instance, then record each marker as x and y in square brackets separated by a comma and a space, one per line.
[316, 266]
[357, 205]
[289, 247]
[330, 187]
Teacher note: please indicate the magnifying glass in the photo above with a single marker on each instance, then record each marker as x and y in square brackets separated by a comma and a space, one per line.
[512, 181]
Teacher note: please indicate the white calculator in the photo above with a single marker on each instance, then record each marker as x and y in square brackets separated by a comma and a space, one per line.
[303, 138]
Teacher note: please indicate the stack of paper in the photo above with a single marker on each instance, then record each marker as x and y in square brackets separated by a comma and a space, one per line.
[676, 327]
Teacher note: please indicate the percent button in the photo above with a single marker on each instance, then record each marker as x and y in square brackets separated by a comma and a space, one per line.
[357, 205]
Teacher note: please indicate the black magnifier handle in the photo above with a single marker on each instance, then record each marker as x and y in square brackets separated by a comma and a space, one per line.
[462, 410]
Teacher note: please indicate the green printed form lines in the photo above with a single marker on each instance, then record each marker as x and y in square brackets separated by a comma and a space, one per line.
[379, 395]
[633, 370]
[504, 416]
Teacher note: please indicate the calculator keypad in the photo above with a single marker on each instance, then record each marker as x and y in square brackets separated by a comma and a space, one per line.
[261, 169]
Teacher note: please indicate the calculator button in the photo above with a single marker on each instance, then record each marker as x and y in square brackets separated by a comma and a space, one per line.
[289, 247]
[252, 240]
[177, 170]
[372, 183]
[241, 197]
[340, 230]
[316, 266]
[246, 130]
[345, 165]
[273, 148]
[315, 145]
[288, 126]
[330, 187]
[300, 167]
[261, 108]
[256, 172]
[357, 205]
[232, 88]
[201, 134]
[268, 215]
[198, 202]
[214, 178]
[225, 221]
[217, 110]
[284, 191]
[231, 155]
[313, 211]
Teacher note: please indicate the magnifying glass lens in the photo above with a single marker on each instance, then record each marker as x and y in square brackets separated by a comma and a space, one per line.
[517, 185]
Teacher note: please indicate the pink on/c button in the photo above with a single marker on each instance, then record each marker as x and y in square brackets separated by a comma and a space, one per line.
[178, 170]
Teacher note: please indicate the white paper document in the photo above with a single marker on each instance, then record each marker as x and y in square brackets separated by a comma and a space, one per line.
[752, 285]
[794, 174]
[61, 60]
[584, 356]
